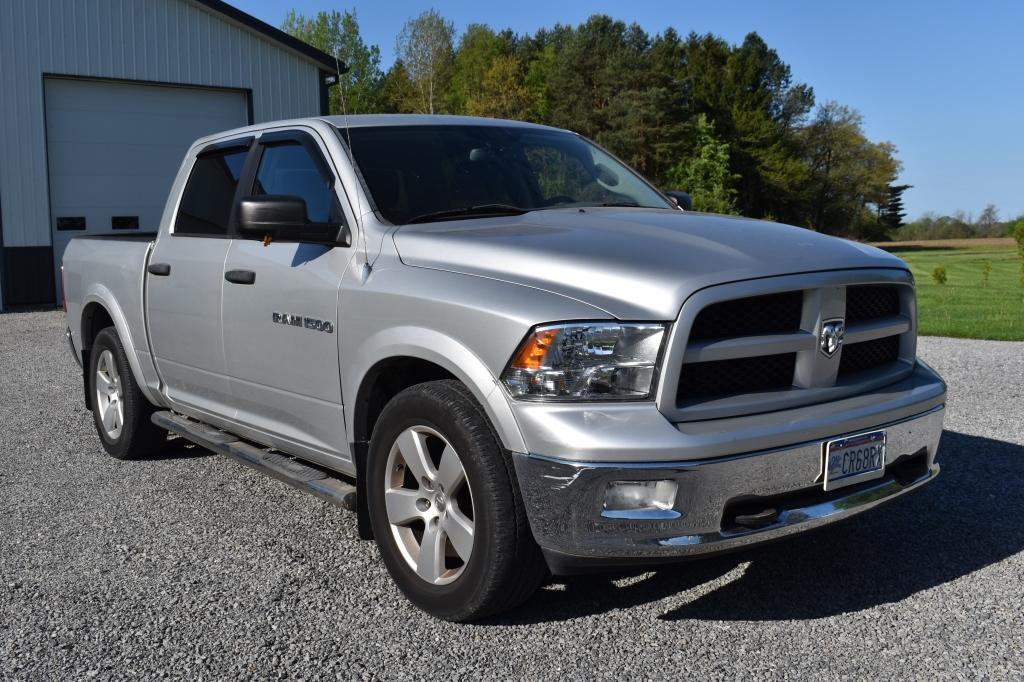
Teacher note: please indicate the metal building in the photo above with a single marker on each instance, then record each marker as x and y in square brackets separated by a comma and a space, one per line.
[101, 99]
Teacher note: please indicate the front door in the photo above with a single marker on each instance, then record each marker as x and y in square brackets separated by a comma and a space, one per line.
[280, 308]
[184, 283]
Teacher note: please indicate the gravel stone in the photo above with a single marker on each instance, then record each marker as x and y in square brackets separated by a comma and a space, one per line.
[191, 566]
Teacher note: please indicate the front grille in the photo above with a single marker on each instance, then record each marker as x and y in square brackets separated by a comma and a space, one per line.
[871, 302]
[860, 357]
[749, 316]
[701, 380]
[761, 353]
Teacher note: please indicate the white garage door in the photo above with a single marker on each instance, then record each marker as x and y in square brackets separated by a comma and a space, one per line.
[114, 148]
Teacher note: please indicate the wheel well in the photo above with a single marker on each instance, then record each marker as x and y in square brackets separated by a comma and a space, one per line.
[383, 382]
[95, 319]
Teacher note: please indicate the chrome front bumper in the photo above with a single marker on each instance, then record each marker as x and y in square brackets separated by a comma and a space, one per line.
[564, 499]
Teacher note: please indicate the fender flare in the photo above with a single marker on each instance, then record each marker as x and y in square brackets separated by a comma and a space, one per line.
[99, 294]
[449, 354]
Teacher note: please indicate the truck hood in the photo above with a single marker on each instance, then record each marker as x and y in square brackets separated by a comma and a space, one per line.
[635, 264]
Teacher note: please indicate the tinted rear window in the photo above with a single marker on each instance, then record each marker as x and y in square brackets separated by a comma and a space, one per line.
[209, 193]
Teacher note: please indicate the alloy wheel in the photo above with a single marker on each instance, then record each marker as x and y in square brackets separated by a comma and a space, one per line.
[109, 398]
[429, 505]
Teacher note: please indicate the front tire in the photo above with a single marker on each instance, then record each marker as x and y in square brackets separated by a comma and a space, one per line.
[445, 508]
[120, 411]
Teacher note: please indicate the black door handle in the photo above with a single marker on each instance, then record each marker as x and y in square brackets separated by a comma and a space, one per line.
[240, 276]
[159, 269]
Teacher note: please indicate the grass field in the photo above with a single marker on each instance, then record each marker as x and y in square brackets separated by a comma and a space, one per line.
[931, 244]
[964, 306]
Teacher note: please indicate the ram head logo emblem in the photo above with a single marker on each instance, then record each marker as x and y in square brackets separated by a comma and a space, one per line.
[830, 340]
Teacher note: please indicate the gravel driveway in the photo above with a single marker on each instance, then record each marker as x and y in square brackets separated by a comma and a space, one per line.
[193, 567]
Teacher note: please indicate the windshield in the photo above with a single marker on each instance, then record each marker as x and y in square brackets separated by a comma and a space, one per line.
[425, 172]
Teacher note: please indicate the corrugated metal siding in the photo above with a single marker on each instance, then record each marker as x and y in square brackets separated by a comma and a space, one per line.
[167, 41]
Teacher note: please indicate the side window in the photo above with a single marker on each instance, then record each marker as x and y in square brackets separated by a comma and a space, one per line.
[289, 170]
[205, 207]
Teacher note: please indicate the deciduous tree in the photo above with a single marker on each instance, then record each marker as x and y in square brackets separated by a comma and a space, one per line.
[503, 93]
[988, 224]
[478, 47]
[425, 49]
[337, 33]
[848, 174]
[706, 175]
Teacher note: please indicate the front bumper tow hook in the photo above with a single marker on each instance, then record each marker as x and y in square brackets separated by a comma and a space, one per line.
[759, 519]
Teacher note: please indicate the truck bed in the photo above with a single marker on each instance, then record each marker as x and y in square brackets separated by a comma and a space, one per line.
[133, 237]
[109, 271]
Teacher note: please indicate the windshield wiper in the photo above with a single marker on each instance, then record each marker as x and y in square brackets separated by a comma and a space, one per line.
[469, 212]
[622, 204]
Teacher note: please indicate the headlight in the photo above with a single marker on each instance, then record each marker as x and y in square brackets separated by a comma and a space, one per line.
[586, 361]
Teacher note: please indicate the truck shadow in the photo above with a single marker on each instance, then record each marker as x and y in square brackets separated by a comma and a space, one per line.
[971, 516]
[179, 448]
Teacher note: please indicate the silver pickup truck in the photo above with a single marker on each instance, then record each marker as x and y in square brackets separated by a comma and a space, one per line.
[509, 353]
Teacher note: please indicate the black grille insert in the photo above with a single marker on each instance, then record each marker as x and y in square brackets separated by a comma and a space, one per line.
[749, 316]
[860, 357]
[700, 380]
[871, 302]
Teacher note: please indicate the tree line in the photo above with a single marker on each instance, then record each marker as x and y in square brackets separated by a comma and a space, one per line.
[961, 225]
[727, 123]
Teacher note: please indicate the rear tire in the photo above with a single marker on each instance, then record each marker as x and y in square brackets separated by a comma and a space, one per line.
[438, 477]
[120, 411]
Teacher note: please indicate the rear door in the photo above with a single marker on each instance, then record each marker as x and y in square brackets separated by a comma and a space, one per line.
[280, 312]
[185, 280]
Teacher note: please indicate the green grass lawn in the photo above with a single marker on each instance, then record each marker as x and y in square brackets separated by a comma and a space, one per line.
[964, 306]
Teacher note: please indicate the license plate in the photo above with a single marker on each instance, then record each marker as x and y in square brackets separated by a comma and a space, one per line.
[854, 459]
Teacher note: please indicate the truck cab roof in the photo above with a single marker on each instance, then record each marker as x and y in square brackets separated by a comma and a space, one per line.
[375, 120]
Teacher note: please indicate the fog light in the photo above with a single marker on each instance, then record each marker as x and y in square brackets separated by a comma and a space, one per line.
[640, 500]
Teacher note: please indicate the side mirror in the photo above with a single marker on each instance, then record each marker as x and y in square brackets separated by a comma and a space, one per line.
[682, 199]
[272, 214]
[606, 175]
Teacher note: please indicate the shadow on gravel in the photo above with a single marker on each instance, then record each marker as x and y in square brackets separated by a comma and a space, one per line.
[41, 308]
[179, 448]
[971, 516]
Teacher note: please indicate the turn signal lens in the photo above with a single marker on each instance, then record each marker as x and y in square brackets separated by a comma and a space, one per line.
[532, 353]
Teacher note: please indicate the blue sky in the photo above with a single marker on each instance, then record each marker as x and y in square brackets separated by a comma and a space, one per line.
[944, 81]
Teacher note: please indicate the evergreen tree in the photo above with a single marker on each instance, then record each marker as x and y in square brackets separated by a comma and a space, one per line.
[891, 213]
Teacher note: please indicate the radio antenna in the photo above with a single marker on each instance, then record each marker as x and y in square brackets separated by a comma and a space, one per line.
[361, 243]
